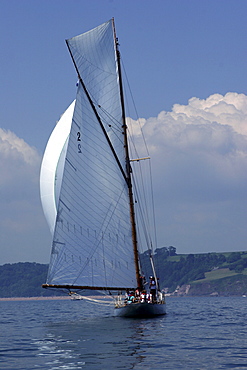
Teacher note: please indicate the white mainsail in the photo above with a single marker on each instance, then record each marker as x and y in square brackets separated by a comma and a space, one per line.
[92, 242]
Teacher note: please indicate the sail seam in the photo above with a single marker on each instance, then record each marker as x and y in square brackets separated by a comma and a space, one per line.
[74, 168]
[64, 204]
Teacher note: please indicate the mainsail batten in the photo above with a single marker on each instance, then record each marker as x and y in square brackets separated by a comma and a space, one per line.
[92, 244]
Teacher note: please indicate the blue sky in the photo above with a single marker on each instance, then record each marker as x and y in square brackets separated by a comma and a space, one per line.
[172, 51]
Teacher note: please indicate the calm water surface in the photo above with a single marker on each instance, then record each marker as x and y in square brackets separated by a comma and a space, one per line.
[196, 333]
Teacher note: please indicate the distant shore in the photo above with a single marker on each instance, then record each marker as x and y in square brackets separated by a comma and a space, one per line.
[34, 298]
[51, 298]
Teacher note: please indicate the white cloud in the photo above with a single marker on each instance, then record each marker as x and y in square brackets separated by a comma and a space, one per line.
[199, 161]
[22, 226]
[230, 109]
[199, 158]
[13, 147]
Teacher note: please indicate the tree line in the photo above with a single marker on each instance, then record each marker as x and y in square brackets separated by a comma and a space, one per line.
[24, 279]
[187, 268]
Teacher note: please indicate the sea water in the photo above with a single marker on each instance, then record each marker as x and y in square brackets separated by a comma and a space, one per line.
[197, 333]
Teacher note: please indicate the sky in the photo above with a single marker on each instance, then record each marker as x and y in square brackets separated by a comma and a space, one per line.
[186, 63]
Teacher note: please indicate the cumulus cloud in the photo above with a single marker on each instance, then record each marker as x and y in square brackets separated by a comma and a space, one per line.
[22, 223]
[199, 157]
[199, 163]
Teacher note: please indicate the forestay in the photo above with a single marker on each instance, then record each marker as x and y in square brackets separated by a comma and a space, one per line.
[92, 243]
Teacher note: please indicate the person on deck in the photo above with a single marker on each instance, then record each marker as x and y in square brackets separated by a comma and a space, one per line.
[148, 297]
[137, 293]
[152, 288]
[131, 298]
[143, 296]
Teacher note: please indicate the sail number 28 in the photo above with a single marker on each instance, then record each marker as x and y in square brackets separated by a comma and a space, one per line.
[79, 139]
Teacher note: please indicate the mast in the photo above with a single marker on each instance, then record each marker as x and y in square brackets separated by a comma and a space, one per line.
[128, 167]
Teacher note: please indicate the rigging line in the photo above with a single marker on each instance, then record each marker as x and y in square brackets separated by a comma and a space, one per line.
[149, 220]
[138, 120]
[143, 214]
[133, 149]
[153, 209]
[145, 195]
[149, 244]
[146, 229]
[111, 117]
[143, 210]
[141, 194]
[146, 224]
[142, 183]
[116, 130]
[97, 301]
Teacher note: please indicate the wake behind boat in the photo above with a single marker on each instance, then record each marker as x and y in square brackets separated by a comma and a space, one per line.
[86, 186]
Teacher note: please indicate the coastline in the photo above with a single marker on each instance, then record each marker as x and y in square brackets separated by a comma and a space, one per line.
[51, 298]
[34, 298]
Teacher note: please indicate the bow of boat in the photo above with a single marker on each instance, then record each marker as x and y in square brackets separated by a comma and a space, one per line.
[141, 310]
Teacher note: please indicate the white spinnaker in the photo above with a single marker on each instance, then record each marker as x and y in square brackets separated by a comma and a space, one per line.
[92, 244]
[52, 166]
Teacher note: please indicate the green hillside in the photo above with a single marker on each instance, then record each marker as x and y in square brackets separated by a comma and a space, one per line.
[209, 273]
[23, 279]
[226, 284]
[222, 274]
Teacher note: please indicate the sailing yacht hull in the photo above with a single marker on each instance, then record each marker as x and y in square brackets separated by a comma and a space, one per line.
[140, 310]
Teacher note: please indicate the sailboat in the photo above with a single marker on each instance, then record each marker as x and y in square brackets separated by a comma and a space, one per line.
[86, 185]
